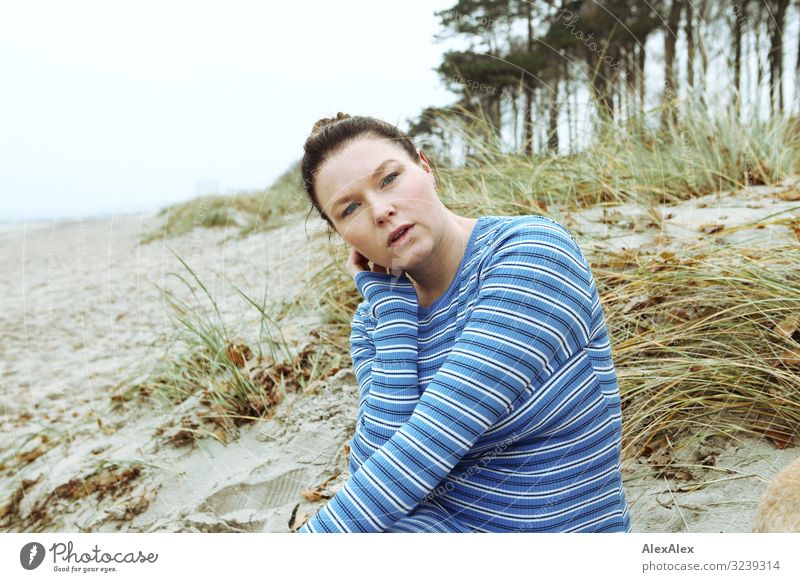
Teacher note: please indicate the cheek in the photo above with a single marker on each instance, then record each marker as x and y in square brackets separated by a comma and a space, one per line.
[356, 236]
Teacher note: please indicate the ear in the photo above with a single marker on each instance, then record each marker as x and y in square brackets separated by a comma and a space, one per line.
[422, 156]
[427, 165]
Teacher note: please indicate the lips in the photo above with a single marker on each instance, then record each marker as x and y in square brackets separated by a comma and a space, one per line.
[395, 232]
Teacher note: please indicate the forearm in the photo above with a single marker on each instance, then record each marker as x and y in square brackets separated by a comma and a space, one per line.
[384, 353]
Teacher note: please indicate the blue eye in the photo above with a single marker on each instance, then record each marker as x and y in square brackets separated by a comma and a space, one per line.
[392, 175]
[345, 213]
[349, 206]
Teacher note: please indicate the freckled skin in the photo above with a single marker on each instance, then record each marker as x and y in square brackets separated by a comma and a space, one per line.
[779, 510]
[402, 193]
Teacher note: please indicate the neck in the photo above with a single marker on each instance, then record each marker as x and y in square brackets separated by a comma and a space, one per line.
[432, 280]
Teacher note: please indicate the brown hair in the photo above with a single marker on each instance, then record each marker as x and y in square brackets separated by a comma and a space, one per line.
[331, 134]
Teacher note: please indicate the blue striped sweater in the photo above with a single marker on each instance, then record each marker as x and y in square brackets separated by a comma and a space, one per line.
[495, 409]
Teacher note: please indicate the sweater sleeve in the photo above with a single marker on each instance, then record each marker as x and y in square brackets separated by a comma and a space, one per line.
[362, 352]
[533, 310]
[384, 360]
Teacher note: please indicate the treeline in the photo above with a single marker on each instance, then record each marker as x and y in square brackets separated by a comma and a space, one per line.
[536, 70]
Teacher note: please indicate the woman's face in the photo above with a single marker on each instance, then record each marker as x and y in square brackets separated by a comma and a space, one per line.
[369, 189]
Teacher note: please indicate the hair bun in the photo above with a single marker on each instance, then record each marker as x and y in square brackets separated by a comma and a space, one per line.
[326, 121]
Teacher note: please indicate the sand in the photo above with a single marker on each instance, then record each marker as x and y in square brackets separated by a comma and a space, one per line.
[83, 314]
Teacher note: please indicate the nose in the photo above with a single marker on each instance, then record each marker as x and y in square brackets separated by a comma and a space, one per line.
[382, 210]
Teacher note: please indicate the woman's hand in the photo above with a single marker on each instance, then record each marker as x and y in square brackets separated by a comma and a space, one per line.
[357, 262]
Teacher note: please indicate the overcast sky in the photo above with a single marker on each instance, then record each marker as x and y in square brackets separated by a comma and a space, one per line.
[120, 106]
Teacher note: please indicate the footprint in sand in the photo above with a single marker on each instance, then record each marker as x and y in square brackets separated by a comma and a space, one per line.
[248, 506]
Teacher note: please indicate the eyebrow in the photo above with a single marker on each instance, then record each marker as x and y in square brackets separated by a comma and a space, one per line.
[350, 195]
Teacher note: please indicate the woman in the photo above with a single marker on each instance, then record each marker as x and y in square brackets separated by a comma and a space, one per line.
[488, 397]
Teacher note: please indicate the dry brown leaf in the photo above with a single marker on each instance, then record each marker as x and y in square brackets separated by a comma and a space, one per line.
[239, 353]
[678, 314]
[788, 326]
[299, 521]
[311, 495]
[781, 440]
[790, 357]
[221, 435]
[29, 456]
[706, 456]
[789, 195]
[795, 226]
[612, 217]
[661, 459]
[711, 228]
[641, 302]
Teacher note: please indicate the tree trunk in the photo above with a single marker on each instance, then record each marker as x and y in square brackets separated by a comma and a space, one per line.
[759, 66]
[738, 16]
[528, 121]
[775, 26]
[797, 66]
[642, 56]
[773, 49]
[528, 147]
[797, 72]
[495, 107]
[701, 37]
[552, 133]
[670, 38]
[599, 85]
[515, 113]
[631, 78]
[689, 45]
[537, 106]
[570, 90]
[782, 7]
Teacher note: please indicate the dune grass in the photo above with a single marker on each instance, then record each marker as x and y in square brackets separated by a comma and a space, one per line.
[32, 445]
[633, 160]
[241, 213]
[235, 381]
[707, 339]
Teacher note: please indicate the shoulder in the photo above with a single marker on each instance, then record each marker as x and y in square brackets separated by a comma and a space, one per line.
[518, 236]
[533, 264]
[505, 227]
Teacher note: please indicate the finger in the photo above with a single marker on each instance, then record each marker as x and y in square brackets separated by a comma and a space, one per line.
[356, 263]
[357, 259]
